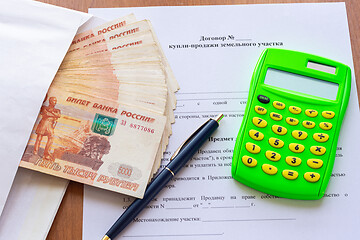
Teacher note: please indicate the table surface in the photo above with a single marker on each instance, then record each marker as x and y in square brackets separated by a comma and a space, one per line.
[68, 221]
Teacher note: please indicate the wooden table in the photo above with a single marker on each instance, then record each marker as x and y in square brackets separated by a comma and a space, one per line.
[68, 221]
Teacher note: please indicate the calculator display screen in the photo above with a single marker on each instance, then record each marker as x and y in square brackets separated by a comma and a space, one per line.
[302, 84]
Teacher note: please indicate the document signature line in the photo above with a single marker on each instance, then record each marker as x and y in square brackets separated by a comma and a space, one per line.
[251, 220]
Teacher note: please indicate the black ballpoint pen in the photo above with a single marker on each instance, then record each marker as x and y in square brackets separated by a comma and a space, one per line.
[180, 157]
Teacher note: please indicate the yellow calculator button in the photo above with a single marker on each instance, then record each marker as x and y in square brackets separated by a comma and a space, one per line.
[249, 161]
[311, 113]
[253, 148]
[276, 143]
[296, 148]
[292, 121]
[294, 110]
[279, 105]
[256, 135]
[293, 161]
[312, 177]
[279, 129]
[269, 169]
[272, 156]
[325, 125]
[314, 163]
[260, 110]
[276, 116]
[259, 122]
[300, 135]
[328, 114]
[318, 150]
[290, 174]
[321, 137]
[308, 124]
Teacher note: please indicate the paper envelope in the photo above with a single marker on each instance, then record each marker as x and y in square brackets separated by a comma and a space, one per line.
[34, 39]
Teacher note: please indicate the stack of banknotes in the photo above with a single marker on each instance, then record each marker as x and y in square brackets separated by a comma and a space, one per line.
[107, 116]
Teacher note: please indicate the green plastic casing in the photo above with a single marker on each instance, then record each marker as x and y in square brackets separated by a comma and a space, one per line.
[277, 185]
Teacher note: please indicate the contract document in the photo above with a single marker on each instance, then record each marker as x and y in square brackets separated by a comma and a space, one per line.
[213, 51]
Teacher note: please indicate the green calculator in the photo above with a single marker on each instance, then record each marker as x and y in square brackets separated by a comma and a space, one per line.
[288, 137]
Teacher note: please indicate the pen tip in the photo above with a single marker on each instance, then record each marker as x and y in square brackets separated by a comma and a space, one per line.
[106, 238]
[219, 117]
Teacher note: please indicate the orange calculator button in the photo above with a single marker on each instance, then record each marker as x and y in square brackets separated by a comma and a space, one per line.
[269, 169]
[314, 163]
[318, 150]
[276, 143]
[311, 113]
[280, 130]
[312, 177]
[294, 110]
[259, 122]
[252, 148]
[293, 161]
[249, 161]
[260, 110]
[256, 135]
[292, 121]
[273, 156]
[276, 116]
[290, 174]
[296, 148]
[321, 137]
[300, 135]
[325, 125]
[328, 114]
[308, 124]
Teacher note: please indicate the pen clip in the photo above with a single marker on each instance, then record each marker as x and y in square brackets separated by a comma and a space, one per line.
[187, 140]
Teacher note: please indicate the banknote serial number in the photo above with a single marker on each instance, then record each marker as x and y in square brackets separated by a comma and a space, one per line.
[142, 128]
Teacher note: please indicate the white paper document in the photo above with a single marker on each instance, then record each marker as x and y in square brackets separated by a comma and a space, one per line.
[213, 51]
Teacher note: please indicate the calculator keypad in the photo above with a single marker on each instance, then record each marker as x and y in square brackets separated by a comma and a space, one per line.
[280, 120]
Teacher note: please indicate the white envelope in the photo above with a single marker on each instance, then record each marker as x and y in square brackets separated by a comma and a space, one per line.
[34, 39]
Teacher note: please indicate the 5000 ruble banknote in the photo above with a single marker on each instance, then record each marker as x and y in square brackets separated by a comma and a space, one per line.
[96, 142]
